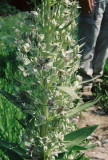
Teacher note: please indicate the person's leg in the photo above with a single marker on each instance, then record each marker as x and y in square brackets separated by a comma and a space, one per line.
[89, 29]
[101, 51]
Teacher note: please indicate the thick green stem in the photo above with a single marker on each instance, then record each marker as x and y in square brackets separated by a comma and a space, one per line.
[44, 127]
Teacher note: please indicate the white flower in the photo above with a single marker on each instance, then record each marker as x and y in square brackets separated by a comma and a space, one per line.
[26, 61]
[21, 68]
[79, 77]
[27, 144]
[69, 51]
[17, 30]
[67, 120]
[67, 2]
[54, 151]
[70, 157]
[76, 84]
[78, 56]
[57, 33]
[45, 148]
[25, 74]
[77, 48]
[63, 31]
[62, 26]
[32, 140]
[69, 27]
[26, 47]
[69, 39]
[48, 67]
[67, 54]
[35, 13]
[41, 37]
[54, 22]
[59, 136]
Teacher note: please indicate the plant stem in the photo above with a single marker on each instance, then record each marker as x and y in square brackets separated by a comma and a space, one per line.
[44, 127]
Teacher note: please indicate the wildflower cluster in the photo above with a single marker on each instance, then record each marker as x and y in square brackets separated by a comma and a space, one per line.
[48, 56]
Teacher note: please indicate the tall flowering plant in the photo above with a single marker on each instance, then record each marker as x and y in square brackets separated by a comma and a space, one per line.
[49, 59]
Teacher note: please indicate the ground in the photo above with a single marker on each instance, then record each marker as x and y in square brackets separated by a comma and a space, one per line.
[95, 115]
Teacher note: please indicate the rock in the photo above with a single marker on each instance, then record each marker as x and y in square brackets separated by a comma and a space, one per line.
[106, 146]
[105, 141]
[98, 143]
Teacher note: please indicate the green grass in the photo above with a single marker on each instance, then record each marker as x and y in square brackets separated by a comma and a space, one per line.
[101, 90]
[11, 29]
[106, 69]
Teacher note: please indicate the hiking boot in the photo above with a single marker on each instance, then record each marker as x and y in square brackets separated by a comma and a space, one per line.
[87, 94]
[98, 80]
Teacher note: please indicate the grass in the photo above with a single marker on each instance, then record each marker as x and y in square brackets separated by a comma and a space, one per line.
[106, 69]
[12, 27]
[101, 89]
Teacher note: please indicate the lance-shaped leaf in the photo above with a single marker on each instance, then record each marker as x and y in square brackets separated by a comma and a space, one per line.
[76, 137]
[64, 27]
[60, 156]
[80, 156]
[83, 106]
[69, 91]
[14, 148]
[78, 148]
[25, 122]
[13, 156]
[22, 123]
[14, 100]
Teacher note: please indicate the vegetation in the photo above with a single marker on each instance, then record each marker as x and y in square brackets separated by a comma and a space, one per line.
[6, 9]
[12, 28]
[43, 45]
[101, 89]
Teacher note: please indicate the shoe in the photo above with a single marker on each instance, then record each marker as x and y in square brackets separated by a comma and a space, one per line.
[98, 80]
[87, 94]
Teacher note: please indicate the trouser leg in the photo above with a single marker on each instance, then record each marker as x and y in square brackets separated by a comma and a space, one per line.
[101, 51]
[89, 30]
[88, 34]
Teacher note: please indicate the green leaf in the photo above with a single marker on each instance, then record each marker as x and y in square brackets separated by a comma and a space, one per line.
[14, 148]
[81, 107]
[79, 157]
[69, 91]
[13, 155]
[60, 156]
[65, 27]
[78, 148]
[25, 122]
[22, 123]
[13, 99]
[76, 137]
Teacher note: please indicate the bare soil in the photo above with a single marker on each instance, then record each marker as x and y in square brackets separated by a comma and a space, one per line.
[93, 116]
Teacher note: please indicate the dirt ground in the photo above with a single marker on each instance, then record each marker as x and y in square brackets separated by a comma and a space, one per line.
[95, 115]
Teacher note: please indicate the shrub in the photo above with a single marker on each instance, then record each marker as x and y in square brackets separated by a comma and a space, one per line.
[7, 9]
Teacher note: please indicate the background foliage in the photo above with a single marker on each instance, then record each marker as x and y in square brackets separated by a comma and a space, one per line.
[12, 28]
